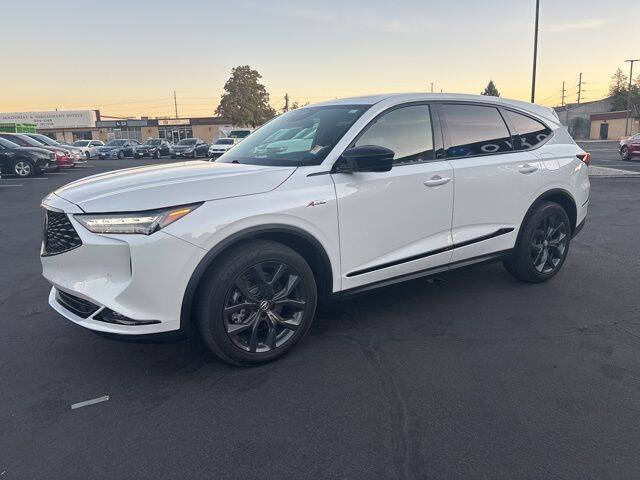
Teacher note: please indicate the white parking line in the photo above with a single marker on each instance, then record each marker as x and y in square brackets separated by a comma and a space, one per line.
[18, 185]
[89, 402]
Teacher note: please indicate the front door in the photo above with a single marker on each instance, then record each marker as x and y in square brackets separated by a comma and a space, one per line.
[397, 222]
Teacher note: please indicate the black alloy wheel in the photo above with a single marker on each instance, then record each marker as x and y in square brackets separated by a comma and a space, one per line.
[256, 303]
[120, 155]
[543, 245]
[625, 153]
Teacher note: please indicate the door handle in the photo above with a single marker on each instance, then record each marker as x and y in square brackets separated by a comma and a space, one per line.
[526, 168]
[436, 181]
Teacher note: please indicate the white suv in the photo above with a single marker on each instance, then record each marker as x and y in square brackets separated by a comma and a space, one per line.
[385, 189]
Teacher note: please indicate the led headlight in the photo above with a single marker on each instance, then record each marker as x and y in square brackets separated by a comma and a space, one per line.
[144, 223]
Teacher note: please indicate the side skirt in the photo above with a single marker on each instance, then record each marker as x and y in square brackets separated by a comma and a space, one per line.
[489, 258]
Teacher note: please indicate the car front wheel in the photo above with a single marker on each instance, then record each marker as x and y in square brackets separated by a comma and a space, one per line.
[23, 168]
[543, 246]
[625, 153]
[257, 303]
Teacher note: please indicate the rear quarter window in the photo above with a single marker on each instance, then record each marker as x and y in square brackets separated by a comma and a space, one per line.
[529, 133]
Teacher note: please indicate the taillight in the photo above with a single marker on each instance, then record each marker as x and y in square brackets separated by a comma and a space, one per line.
[585, 157]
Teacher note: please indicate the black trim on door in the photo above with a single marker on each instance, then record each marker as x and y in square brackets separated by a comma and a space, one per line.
[497, 233]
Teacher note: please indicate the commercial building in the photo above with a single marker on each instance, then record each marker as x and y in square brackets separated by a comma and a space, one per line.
[72, 125]
[613, 125]
[576, 116]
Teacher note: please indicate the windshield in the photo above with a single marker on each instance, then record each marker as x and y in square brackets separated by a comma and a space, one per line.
[187, 141]
[300, 137]
[81, 143]
[153, 141]
[7, 144]
[224, 141]
[116, 143]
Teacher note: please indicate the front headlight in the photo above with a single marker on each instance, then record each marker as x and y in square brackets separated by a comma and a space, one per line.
[144, 223]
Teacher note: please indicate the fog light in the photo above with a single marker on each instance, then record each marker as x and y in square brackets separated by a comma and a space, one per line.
[109, 316]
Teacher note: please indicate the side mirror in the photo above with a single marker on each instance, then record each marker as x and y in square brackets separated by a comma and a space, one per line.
[366, 158]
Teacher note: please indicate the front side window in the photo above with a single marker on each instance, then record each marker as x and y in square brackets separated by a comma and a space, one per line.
[406, 130]
[531, 133]
[278, 144]
[475, 130]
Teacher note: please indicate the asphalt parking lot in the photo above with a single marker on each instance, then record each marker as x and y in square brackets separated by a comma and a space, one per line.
[468, 375]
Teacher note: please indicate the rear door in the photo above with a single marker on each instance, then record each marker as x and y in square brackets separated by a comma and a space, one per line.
[495, 183]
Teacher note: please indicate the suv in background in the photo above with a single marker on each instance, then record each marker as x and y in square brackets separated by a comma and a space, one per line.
[153, 147]
[220, 146]
[63, 156]
[389, 188]
[630, 147]
[88, 147]
[189, 147]
[119, 149]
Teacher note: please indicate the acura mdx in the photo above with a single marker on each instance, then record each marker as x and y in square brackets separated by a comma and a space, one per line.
[322, 201]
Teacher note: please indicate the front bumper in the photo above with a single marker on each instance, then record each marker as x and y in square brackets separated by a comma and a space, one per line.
[141, 277]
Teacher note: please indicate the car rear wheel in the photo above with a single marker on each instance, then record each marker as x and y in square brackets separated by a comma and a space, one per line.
[625, 153]
[120, 155]
[23, 168]
[257, 303]
[543, 246]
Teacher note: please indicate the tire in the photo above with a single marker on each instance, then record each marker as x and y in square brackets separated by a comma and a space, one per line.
[157, 155]
[23, 168]
[543, 246]
[88, 155]
[120, 155]
[625, 154]
[275, 313]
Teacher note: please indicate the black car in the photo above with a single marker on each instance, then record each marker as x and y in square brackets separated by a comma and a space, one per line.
[190, 148]
[154, 148]
[25, 161]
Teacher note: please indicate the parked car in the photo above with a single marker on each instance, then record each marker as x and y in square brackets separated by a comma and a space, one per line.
[220, 146]
[630, 147]
[76, 154]
[153, 147]
[240, 134]
[391, 188]
[63, 156]
[190, 147]
[118, 149]
[25, 161]
[88, 147]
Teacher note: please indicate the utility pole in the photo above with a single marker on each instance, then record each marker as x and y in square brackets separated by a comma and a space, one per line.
[579, 88]
[175, 103]
[626, 125]
[286, 102]
[563, 93]
[535, 53]
[431, 87]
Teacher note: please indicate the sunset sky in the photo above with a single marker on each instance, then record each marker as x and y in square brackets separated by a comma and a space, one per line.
[127, 57]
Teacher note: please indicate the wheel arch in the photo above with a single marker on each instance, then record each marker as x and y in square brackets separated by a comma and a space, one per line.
[299, 240]
[557, 195]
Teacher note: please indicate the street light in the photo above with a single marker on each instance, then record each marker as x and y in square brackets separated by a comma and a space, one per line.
[535, 53]
[631, 61]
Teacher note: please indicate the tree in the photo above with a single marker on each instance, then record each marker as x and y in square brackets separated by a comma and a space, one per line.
[245, 101]
[619, 91]
[491, 90]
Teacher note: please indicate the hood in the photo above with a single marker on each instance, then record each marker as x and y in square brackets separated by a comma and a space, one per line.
[36, 150]
[166, 185]
[183, 147]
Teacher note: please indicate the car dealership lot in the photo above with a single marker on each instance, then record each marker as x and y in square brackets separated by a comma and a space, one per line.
[467, 375]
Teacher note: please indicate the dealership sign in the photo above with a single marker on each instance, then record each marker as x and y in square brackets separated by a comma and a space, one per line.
[54, 119]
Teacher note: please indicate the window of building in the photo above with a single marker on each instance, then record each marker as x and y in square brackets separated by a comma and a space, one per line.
[406, 131]
[475, 130]
[531, 133]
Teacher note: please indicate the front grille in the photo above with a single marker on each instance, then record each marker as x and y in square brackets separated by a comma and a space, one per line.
[59, 234]
[77, 305]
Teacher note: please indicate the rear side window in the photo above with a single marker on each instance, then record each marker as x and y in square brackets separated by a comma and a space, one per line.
[531, 133]
[475, 130]
[406, 131]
